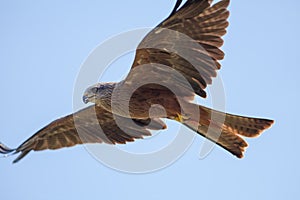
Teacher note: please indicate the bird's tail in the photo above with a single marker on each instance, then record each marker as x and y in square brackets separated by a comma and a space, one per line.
[226, 129]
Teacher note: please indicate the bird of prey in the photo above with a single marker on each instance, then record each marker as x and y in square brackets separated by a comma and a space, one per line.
[177, 60]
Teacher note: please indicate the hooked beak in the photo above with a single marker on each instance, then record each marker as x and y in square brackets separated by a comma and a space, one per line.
[85, 99]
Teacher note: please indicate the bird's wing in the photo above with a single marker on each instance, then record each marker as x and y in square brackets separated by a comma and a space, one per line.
[90, 125]
[189, 42]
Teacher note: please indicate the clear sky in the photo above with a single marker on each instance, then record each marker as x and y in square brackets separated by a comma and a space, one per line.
[44, 43]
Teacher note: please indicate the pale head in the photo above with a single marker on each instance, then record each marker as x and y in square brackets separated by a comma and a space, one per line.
[99, 93]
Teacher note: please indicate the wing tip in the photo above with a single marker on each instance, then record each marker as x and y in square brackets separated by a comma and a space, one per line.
[22, 155]
[5, 150]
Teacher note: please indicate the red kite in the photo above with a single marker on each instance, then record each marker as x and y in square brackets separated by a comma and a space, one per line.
[181, 53]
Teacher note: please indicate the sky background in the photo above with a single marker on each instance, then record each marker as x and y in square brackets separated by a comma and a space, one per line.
[44, 43]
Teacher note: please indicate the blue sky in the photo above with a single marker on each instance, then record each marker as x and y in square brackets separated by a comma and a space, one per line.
[43, 45]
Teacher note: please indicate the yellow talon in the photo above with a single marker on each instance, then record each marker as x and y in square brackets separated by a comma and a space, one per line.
[180, 118]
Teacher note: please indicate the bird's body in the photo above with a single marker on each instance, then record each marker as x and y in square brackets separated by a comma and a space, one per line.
[173, 63]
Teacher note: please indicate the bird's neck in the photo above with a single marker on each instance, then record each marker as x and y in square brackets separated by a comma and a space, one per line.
[117, 99]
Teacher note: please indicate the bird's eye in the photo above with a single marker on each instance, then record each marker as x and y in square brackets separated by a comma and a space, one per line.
[95, 89]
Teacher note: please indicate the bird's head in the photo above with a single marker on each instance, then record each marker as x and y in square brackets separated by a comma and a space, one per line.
[99, 93]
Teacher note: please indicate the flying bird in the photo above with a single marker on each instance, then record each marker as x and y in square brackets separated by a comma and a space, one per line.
[176, 61]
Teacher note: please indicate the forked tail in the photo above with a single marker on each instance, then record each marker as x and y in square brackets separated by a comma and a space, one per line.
[226, 129]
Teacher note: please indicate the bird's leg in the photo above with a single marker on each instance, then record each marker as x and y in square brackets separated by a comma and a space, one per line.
[181, 117]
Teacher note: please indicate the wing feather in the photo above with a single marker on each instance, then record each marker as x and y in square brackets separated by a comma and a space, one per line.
[189, 41]
[90, 125]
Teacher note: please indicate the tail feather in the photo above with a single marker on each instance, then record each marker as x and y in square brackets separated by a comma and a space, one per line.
[245, 126]
[227, 130]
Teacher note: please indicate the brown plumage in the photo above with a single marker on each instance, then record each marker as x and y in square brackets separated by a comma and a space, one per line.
[182, 53]
[90, 125]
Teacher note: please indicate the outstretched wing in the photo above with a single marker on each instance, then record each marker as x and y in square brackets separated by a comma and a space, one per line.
[188, 41]
[90, 125]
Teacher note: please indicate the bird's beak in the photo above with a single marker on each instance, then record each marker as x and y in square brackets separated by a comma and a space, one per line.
[85, 99]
